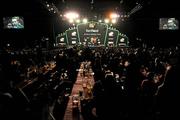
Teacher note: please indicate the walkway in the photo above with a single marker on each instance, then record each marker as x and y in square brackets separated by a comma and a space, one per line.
[81, 90]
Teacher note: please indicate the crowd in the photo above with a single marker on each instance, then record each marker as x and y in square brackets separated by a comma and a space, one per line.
[31, 84]
[139, 83]
[130, 83]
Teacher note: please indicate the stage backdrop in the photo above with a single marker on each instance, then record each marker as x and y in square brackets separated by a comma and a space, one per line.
[92, 34]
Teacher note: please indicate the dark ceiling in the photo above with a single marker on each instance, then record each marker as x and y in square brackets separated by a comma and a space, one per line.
[157, 7]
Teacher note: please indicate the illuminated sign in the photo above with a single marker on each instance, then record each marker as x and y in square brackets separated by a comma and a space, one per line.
[61, 40]
[112, 37]
[92, 30]
[72, 36]
[122, 40]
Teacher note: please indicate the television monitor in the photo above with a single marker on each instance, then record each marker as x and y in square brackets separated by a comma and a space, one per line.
[14, 22]
[168, 24]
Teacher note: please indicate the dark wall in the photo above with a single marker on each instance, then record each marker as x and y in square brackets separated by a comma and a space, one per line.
[146, 23]
[37, 22]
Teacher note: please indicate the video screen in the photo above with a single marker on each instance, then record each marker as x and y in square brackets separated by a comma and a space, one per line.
[15, 22]
[168, 24]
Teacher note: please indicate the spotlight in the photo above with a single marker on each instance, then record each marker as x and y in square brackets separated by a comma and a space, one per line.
[52, 9]
[100, 21]
[85, 20]
[106, 20]
[71, 20]
[8, 45]
[78, 21]
[71, 15]
[114, 15]
[113, 21]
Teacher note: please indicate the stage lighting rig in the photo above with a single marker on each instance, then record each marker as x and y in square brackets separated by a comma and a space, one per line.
[51, 7]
